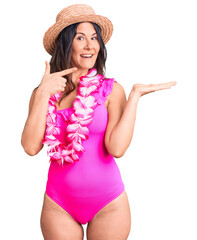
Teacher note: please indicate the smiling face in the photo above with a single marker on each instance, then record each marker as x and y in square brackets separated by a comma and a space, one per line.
[85, 47]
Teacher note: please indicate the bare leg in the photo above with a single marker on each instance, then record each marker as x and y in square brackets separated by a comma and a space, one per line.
[112, 222]
[57, 224]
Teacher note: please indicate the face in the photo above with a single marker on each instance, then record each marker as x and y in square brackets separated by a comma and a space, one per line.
[85, 47]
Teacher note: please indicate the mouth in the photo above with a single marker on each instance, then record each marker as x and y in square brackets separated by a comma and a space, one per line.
[86, 55]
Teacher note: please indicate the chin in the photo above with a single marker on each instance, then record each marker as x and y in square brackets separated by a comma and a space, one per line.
[86, 66]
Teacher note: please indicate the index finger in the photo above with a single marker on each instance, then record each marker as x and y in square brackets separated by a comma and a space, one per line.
[66, 71]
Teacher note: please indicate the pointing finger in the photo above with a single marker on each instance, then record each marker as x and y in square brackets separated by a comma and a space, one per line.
[67, 71]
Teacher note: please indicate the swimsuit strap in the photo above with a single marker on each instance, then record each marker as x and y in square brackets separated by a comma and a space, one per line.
[93, 90]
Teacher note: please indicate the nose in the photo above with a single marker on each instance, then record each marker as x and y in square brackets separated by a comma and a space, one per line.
[88, 45]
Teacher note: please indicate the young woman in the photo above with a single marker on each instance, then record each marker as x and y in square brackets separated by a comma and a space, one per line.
[86, 121]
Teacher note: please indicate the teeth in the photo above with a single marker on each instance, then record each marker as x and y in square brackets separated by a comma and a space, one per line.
[87, 56]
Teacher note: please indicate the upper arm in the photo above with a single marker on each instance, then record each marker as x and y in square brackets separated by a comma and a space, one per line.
[30, 146]
[32, 99]
[116, 105]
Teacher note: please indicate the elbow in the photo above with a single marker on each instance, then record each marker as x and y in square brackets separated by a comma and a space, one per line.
[117, 153]
[116, 150]
[30, 150]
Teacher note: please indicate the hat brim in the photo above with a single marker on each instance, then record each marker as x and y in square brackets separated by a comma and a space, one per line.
[52, 33]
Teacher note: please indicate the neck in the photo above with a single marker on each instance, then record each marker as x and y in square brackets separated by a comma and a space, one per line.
[76, 75]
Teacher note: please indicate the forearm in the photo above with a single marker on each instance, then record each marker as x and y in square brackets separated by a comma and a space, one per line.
[35, 125]
[122, 133]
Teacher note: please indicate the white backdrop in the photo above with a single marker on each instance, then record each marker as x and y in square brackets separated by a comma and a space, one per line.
[153, 42]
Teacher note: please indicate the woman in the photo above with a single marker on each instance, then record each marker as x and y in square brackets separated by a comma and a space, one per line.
[82, 116]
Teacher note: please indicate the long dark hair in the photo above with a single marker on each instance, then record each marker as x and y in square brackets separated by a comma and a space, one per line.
[61, 57]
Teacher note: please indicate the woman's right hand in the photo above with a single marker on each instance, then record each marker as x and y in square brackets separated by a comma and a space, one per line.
[53, 83]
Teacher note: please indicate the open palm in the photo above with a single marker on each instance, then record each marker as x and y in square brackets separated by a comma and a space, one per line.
[142, 89]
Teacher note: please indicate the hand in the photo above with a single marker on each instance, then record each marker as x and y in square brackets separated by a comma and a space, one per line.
[142, 89]
[53, 83]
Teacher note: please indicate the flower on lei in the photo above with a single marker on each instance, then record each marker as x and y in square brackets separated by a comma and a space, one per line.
[77, 130]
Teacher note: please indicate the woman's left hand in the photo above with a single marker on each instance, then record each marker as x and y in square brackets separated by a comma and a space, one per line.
[142, 89]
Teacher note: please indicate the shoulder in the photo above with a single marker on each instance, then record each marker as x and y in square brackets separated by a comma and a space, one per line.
[117, 87]
[116, 96]
[117, 92]
[33, 94]
[32, 98]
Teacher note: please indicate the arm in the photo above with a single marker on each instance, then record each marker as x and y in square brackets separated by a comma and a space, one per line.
[122, 115]
[34, 129]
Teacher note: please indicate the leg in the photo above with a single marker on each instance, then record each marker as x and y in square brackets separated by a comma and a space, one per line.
[57, 224]
[113, 221]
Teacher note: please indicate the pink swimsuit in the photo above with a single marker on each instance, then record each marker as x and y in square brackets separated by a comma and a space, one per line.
[84, 187]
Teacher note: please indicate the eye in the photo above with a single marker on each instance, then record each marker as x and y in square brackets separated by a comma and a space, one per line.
[79, 38]
[94, 38]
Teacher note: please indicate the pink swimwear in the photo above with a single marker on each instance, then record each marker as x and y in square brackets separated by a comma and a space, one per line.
[84, 187]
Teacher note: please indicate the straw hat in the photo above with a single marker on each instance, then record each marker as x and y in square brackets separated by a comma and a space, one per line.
[73, 14]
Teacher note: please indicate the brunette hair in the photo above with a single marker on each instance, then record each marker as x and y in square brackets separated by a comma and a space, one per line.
[61, 57]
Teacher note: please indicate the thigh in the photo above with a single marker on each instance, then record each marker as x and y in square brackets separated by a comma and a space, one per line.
[112, 222]
[57, 224]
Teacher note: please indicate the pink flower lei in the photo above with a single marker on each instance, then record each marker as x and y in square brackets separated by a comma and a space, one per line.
[77, 129]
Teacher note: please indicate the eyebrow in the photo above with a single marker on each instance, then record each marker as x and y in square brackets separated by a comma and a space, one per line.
[84, 33]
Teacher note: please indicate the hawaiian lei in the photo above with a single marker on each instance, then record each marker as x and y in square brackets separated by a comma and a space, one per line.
[77, 130]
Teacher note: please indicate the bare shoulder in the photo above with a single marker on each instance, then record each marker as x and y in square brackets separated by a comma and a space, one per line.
[32, 99]
[117, 94]
[117, 88]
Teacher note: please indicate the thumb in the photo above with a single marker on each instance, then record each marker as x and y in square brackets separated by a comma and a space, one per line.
[47, 69]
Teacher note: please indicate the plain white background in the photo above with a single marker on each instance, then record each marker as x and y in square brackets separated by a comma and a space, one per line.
[153, 42]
